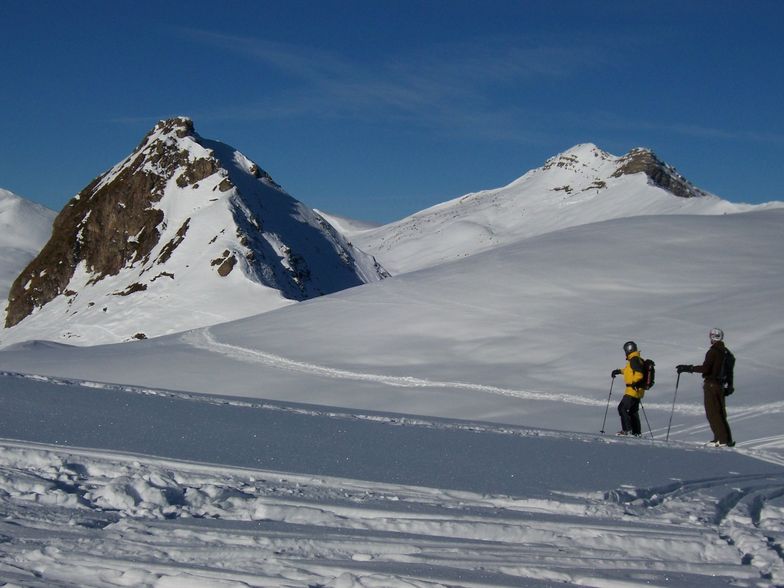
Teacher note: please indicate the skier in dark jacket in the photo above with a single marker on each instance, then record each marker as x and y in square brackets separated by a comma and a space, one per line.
[715, 408]
[629, 407]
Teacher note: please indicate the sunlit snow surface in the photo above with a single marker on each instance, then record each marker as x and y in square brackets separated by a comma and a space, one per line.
[226, 456]
[191, 490]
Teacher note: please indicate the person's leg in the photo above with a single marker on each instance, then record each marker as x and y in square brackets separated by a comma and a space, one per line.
[634, 415]
[715, 412]
[623, 411]
[723, 415]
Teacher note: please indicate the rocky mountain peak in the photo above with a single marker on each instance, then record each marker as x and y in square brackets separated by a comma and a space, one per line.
[659, 173]
[113, 222]
[585, 155]
[178, 126]
[181, 205]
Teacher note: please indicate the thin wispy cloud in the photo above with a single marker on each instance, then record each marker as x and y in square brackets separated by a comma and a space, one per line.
[448, 89]
[616, 122]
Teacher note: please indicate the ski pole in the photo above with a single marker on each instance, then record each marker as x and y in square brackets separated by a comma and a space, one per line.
[674, 396]
[612, 381]
[646, 420]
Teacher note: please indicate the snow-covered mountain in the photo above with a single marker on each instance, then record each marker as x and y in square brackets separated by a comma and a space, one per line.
[184, 232]
[582, 185]
[24, 228]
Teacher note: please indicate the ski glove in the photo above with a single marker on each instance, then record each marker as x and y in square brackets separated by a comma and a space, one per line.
[616, 373]
[685, 368]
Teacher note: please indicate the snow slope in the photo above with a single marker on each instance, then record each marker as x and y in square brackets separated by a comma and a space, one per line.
[24, 228]
[119, 486]
[579, 186]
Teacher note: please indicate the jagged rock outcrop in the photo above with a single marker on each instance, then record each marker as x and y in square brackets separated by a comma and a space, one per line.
[659, 173]
[172, 208]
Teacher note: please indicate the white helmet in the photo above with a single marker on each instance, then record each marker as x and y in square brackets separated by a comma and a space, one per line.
[716, 335]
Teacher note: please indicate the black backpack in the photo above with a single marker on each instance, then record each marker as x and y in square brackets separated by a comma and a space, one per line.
[648, 374]
[726, 375]
[647, 367]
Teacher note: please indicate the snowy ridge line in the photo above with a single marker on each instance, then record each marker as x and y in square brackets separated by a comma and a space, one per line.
[204, 339]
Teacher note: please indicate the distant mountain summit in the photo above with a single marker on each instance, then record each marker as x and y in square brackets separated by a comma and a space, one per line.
[183, 232]
[589, 162]
[579, 186]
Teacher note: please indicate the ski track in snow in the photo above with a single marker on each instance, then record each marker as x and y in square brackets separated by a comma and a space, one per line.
[98, 518]
[205, 340]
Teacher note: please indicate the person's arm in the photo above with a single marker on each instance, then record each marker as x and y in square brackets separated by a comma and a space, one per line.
[699, 369]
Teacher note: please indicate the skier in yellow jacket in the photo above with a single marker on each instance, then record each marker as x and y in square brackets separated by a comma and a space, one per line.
[629, 407]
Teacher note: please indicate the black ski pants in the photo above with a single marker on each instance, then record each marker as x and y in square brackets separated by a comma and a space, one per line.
[716, 411]
[629, 409]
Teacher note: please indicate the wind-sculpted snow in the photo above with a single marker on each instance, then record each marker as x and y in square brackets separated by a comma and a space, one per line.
[276, 494]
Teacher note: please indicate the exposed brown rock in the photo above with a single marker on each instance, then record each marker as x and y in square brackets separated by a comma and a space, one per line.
[163, 275]
[135, 287]
[658, 172]
[197, 171]
[227, 265]
[169, 248]
[220, 259]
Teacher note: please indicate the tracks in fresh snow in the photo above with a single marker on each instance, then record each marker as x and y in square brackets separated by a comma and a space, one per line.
[96, 518]
[298, 495]
[747, 511]
[204, 339]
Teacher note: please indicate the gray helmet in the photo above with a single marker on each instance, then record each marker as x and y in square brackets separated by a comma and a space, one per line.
[716, 335]
[629, 347]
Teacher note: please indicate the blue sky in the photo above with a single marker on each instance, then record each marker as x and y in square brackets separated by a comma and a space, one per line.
[377, 109]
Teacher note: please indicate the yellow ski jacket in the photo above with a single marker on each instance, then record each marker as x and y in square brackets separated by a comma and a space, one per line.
[632, 375]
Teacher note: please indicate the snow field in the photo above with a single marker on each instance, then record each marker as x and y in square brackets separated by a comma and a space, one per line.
[189, 524]
[308, 496]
